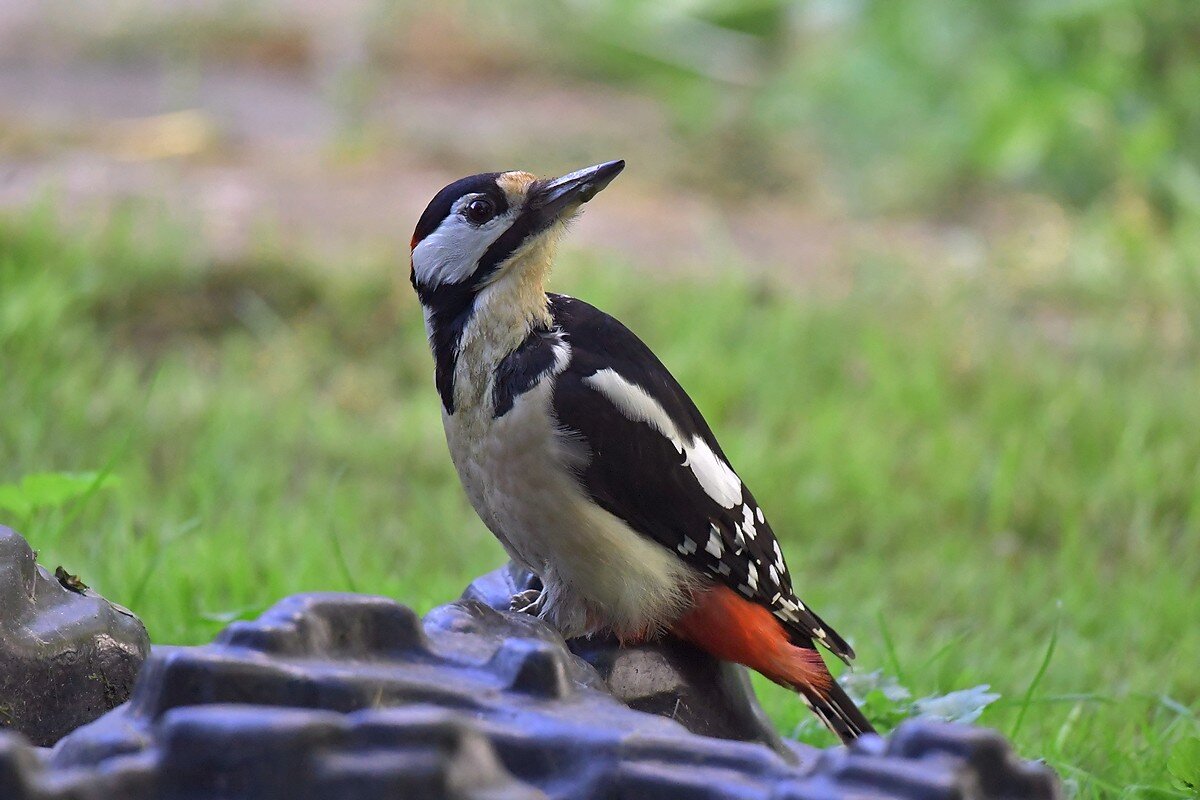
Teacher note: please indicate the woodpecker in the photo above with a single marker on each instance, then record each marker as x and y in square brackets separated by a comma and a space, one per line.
[585, 457]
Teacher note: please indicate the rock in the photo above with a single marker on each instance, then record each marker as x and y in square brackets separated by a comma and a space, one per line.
[670, 677]
[351, 697]
[67, 655]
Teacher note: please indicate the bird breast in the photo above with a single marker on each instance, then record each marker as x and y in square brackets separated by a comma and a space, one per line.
[519, 471]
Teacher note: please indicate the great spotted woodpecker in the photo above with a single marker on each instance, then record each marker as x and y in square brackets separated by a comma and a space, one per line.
[586, 458]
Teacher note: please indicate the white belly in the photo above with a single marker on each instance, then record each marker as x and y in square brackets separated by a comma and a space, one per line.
[597, 571]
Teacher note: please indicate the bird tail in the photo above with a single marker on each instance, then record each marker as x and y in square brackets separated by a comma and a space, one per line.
[733, 628]
[835, 708]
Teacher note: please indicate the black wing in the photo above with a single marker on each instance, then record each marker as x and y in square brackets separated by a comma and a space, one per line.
[686, 498]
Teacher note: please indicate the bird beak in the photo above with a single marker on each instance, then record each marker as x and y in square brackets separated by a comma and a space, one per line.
[551, 199]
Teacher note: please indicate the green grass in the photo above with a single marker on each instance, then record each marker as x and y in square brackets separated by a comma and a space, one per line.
[970, 488]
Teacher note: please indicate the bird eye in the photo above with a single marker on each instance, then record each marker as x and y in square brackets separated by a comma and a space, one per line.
[479, 211]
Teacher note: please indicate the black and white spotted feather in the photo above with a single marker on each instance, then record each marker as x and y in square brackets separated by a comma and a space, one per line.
[665, 477]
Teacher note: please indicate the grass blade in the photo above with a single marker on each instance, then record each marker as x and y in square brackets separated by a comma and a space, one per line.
[889, 647]
[332, 530]
[1037, 679]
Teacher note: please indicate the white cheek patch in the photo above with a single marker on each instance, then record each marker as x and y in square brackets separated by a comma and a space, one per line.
[452, 252]
[716, 478]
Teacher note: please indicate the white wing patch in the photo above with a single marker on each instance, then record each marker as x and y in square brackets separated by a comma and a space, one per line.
[714, 546]
[717, 478]
[562, 356]
[747, 523]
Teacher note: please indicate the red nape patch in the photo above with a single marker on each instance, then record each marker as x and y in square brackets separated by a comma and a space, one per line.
[732, 628]
[416, 240]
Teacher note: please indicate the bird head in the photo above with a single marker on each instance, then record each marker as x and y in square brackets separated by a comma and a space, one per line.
[496, 228]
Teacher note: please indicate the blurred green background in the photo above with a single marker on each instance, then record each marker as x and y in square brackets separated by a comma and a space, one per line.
[931, 269]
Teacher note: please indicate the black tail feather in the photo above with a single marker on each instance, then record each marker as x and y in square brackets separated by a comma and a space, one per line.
[839, 713]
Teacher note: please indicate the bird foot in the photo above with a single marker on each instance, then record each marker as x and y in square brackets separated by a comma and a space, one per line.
[528, 602]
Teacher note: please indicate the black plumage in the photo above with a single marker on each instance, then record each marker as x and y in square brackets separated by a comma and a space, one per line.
[521, 369]
[639, 475]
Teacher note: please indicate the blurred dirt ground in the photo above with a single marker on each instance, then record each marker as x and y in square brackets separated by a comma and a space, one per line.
[288, 123]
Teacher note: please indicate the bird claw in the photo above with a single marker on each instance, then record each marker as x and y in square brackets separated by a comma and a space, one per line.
[527, 602]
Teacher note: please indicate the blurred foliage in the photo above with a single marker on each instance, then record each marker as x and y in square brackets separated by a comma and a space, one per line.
[50, 490]
[1185, 765]
[1091, 100]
